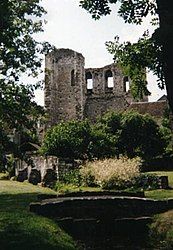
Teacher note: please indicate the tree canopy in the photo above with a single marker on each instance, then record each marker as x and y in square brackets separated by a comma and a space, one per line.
[19, 53]
[154, 52]
[129, 133]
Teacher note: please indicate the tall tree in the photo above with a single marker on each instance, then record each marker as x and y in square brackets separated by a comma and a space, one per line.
[159, 45]
[19, 53]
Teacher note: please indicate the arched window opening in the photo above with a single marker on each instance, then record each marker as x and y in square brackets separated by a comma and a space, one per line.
[126, 84]
[109, 79]
[72, 78]
[89, 81]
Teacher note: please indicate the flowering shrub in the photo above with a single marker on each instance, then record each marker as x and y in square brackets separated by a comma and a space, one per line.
[111, 173]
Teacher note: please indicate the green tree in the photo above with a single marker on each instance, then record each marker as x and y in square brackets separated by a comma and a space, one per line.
[19, 53]
[102, 145]
[130, 134]
[68, 140]
[141, 136]
[156, 51]
[133, 134]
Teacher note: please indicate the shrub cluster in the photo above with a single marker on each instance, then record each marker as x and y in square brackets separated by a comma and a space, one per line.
[161, 231]
[130, 134]
[111, 173]
[118, 174]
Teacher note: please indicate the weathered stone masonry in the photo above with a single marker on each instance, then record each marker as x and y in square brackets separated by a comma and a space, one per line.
[72, 92]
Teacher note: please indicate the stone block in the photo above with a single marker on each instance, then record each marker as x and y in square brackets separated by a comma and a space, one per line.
[35, 176]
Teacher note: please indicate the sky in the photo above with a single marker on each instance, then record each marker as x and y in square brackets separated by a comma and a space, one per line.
[70, 26]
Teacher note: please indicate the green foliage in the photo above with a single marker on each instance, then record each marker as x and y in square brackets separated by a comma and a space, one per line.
[4, 176]
[19, 50]
[135, 58]
[141, 136]
[19, 53]
[131, 11]
[146, 181]
[68, 140]
[102, 144]
[152, 52]
[88, 179]
[115, 183]
[72, 177]
[133, 134]
[161, 231]
[110, 122]
[128, 133]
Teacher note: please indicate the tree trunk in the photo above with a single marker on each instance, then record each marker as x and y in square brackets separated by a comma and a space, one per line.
[165, 11]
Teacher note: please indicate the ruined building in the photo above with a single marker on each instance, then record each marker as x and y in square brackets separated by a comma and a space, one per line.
[73, 92]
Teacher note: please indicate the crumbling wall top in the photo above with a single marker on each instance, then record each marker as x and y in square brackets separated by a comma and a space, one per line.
[64, 52]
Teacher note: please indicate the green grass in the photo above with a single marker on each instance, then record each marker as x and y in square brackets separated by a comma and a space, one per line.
[68, 188]
[154, 194]
[161, 231]
[4, 176]
[160, 193]
[22, 230]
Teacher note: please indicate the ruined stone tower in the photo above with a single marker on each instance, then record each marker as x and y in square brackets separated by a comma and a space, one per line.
[72, 92]
[64, 85]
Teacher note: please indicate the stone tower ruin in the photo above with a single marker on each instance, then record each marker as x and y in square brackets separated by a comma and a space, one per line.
[73, 92]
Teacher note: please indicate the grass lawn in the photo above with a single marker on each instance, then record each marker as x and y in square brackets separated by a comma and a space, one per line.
[162, 194]
[154, 194]
[22, 230]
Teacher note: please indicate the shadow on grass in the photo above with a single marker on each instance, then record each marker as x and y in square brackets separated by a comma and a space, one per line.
[22, 230]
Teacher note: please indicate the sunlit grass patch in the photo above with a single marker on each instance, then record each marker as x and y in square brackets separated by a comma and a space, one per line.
[20, 229]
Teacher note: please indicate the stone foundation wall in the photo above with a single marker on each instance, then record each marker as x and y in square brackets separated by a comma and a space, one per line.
[42, 164]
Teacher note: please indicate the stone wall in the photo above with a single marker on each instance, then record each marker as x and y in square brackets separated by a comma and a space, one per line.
[156, 109]
[42, 164]
[107, 93]
[104, 222]
[72, 92]
[64, 85]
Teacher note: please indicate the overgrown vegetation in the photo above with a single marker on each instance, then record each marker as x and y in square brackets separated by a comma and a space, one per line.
[130, 134]
[68, 140]
[108, 174]
[111, 173]
[161, 231]
[20, 54]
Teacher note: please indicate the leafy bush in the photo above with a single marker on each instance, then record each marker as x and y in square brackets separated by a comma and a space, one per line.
[146, 181]
[117, 183]
[72, 177]
[141, 136]
[130, 134]
[111, 173]
[102, 144]
[4, 176]
[68, 140]
[161, 231]
[88, 179]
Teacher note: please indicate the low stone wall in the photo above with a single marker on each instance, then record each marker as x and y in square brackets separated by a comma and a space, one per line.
[106, 222]
[40, 166]
[100, 207]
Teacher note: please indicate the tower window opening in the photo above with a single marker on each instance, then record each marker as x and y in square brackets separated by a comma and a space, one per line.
[109, 79]
[126, 84]
[89, 81]
[72, 78]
